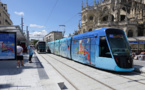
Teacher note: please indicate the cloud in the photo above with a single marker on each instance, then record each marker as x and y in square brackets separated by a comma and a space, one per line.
[38, 34]
[65, 35]
[19, 13]
[38, 26]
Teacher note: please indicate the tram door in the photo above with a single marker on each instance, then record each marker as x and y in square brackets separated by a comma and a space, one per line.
[93, 49]
[86, 49]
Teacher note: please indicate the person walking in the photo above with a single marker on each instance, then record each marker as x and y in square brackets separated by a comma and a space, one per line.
[30, 50]
[19, 55]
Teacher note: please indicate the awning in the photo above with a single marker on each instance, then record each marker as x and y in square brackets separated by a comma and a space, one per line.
[16, 28]
[135, 40]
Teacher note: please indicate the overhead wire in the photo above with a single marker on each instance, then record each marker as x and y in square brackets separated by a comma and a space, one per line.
[74, 15]
[67, 21]
[51, 12]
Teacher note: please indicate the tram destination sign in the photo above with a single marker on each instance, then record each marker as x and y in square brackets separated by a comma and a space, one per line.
[7, 45]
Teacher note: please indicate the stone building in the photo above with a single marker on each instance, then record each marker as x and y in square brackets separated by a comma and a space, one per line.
[128, 15]
[54, 35]
[4, 15]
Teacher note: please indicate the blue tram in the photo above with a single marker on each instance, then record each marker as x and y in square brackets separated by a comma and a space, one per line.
[40, 47]
[105, 48]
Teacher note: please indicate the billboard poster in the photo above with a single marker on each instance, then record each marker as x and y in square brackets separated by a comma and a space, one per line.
[7, 46]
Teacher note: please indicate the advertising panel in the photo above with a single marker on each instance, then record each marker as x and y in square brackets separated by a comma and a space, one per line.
[7, 46]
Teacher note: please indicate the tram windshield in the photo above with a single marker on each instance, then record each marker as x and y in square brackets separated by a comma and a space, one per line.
[118, 42]
[41, 45]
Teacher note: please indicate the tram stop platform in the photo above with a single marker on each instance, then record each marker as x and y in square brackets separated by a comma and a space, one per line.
[38, 75]
[33, 76]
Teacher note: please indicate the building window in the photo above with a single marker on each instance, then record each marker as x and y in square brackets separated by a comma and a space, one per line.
[140, 32]
[105, 18]
[112, 18]
[130, 33]
[91, 18]
[90, 30]
[0, 14]
[0, 22]
[124, 9]
[84, 18]
[122, 18]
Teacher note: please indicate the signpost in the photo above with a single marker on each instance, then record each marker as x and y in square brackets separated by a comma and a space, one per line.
[8, 45]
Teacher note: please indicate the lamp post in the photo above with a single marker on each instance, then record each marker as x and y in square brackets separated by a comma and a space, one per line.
[63, 31]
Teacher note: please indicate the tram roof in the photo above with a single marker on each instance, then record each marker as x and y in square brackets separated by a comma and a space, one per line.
[67, 38]
[90, 34]
[12, 28]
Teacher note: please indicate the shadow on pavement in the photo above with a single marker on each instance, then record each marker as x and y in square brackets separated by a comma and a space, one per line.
[10, 67]
[5, 86]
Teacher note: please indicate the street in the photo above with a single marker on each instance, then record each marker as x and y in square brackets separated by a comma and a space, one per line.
[83, 77]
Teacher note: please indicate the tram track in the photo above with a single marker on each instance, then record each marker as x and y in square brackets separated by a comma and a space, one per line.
[59, 72]
[108, 72]
[77, 71]
[132, 79]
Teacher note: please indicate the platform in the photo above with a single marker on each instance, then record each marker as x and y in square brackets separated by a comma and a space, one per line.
[41, 75]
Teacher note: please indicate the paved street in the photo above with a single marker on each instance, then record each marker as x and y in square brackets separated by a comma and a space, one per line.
[27, 77]
[139, 66]
[48, 72]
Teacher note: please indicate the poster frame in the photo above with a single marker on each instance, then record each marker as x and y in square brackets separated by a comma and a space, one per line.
[15, 58]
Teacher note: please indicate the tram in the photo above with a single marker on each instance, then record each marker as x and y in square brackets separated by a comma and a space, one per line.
[40, 46]
[104, 48]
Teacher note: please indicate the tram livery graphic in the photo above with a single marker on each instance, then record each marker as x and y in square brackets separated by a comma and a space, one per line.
[104, 48]
[7, 46]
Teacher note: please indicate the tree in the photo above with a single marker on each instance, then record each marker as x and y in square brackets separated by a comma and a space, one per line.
[35, 41]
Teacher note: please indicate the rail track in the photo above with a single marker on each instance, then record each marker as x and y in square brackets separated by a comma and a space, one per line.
[75, 70]
[117, 74]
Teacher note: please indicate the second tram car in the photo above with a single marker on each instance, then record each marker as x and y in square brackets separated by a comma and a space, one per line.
[105, 48]
[40, 46]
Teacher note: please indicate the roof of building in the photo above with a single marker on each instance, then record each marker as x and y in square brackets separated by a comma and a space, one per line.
[54, 32]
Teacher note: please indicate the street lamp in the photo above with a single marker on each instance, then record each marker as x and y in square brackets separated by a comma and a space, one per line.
[63, 29]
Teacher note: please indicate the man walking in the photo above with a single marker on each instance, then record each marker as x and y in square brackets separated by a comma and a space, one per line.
[19, 55]
[30, 53]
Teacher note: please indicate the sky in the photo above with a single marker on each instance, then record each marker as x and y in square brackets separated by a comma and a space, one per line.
[44, 16]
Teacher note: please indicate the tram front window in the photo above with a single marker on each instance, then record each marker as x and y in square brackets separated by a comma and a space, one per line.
[41, 45]
[118, 42]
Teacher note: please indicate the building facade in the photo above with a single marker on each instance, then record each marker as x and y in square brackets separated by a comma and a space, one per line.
[128, 15]
[54, 35]
[4, 15]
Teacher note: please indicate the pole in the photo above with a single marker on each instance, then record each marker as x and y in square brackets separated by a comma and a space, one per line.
[63, 29]
[22, 23]
[27, 36]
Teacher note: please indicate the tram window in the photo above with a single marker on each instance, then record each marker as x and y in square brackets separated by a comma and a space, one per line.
[103, 48]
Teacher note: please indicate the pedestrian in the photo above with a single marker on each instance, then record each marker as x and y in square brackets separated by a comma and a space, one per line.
[30, 51]
[19, 55]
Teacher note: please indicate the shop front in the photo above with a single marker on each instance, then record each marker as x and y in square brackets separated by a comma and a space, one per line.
[137, 44]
